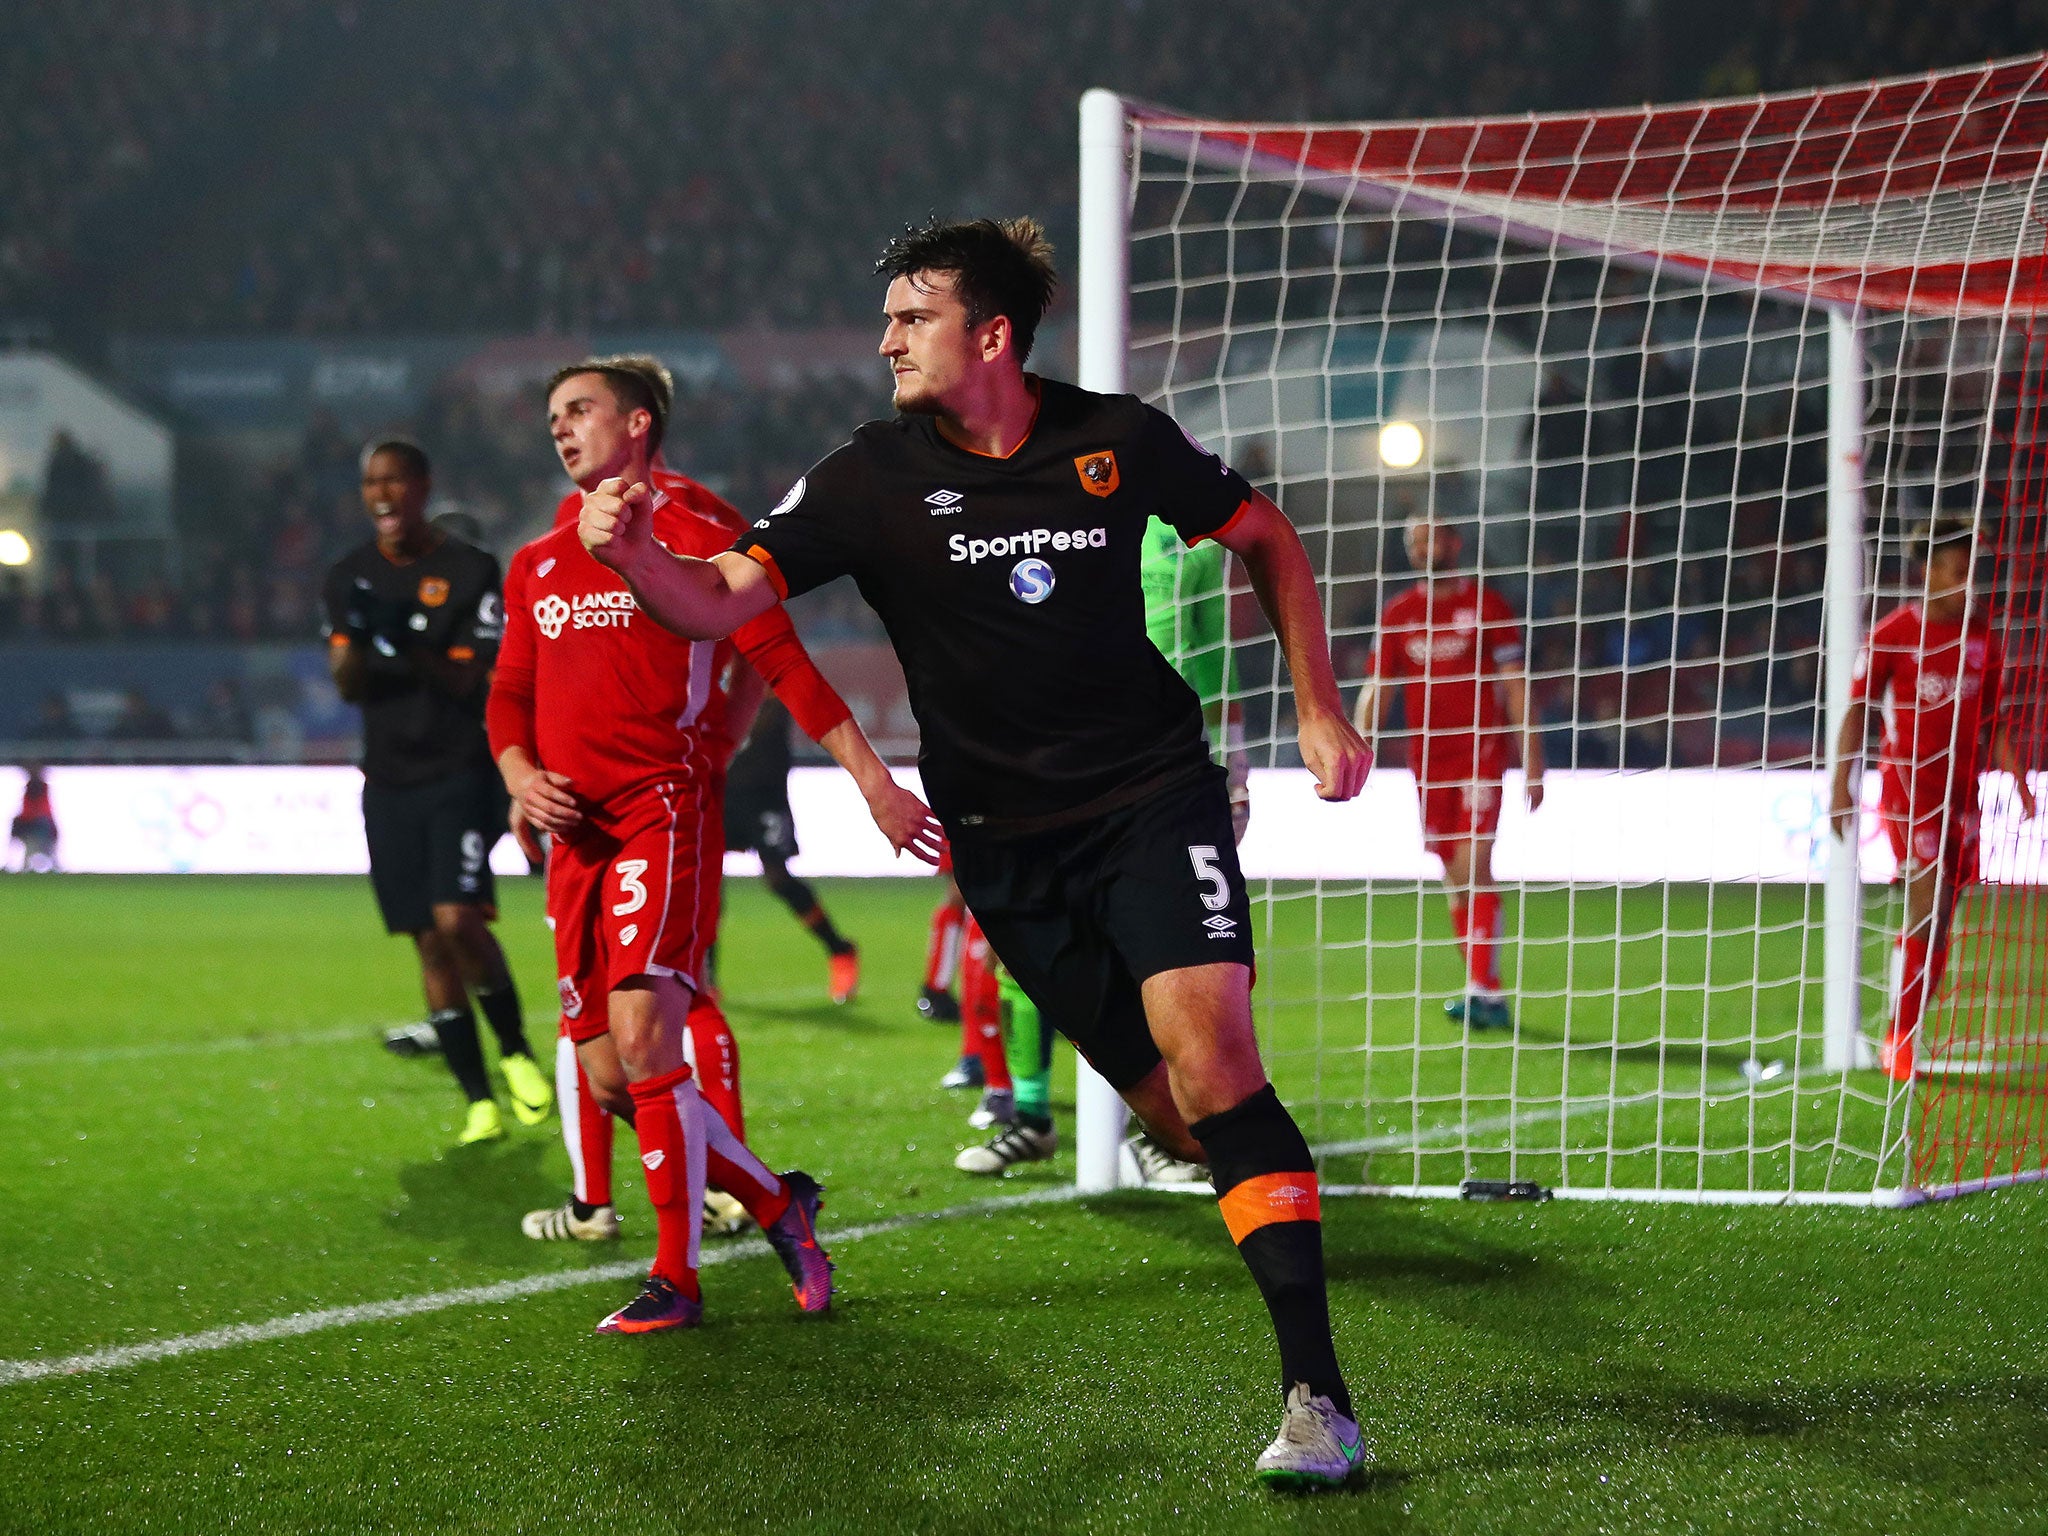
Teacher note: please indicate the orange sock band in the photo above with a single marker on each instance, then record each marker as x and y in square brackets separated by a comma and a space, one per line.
[1270, 1197]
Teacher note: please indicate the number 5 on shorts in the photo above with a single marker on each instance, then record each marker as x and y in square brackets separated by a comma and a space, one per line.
[1203, 857]
[629, 872]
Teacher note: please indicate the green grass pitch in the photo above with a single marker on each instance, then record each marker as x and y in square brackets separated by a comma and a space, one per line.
[200, 1131]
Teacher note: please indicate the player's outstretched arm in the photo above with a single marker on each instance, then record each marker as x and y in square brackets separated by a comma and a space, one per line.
[1286, 584]
[1514, 687]
[1848, 756]
[905, 820]
[697, 599]
[2005, 759]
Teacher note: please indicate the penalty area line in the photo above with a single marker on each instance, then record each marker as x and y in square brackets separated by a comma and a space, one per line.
[297, 1324]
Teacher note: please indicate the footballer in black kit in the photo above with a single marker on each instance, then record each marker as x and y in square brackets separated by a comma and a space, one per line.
[996, 527]
[1067, 759]
[413, 620]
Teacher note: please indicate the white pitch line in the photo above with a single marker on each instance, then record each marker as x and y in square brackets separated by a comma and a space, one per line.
[13, 1372]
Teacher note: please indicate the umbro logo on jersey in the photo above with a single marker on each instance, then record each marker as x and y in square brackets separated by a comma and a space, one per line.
[545, 566]
[1219, 926]
[1037, 541]
[944, 502]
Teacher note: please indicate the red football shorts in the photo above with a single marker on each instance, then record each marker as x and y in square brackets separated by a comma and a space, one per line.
[1926, 827]
[641, 901]
[1457, 779]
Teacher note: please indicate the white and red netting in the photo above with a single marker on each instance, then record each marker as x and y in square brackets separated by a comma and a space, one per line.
[1907, 202]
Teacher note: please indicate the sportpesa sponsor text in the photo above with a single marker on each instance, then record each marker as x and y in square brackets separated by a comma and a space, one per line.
[1031, 542]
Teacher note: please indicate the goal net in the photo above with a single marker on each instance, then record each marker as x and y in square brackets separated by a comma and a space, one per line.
[1684, 381]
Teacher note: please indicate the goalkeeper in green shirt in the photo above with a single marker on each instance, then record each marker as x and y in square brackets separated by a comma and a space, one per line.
[1187, 615]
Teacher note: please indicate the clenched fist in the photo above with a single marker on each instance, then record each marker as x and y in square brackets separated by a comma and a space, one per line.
[617, 522]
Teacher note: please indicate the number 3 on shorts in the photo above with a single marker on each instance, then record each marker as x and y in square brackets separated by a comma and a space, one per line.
[629, 872]
[1203, 857]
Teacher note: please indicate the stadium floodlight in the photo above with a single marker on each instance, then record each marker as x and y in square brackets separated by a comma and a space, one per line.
[1401, 445]
[1688, 376]
[15, 548]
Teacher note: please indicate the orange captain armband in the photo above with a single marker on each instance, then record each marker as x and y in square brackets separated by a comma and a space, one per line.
[1270, 1197]
[766, 561]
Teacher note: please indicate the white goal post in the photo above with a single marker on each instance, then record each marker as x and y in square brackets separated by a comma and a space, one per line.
[1784, 331]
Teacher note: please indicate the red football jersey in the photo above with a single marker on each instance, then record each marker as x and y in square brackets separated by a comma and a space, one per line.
[595, 690]
[1939, 686]
[1445, 641]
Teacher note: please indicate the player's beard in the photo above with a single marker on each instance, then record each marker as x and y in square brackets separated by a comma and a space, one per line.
[921, 402]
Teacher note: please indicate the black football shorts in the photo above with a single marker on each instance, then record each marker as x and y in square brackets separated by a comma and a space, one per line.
[430, 844]
[1082, 915]
[757, 817]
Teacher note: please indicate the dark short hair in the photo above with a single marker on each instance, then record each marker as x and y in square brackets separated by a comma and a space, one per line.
[999, 266]
[1948, 530]
[405, 450]
[638, 382]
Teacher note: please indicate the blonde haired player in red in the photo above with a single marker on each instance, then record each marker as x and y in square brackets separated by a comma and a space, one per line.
[1938, 669]
[611, 737]
[1455, 645]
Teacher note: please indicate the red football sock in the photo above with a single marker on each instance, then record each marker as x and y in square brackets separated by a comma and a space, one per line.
[1482, 943]
[981, 1018]
[732, 1166]
[586, 1127]
[942, 954]
[670, 1119]
[715, 1057]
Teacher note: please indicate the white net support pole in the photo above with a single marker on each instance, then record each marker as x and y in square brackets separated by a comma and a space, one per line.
[1104, 345]
[1844, 1048]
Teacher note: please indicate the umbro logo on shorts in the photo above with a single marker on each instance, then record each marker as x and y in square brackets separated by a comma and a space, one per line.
[1219, 926]
[653, 1160]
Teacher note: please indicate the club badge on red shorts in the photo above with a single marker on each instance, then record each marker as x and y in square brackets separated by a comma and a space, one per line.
[1098, 473]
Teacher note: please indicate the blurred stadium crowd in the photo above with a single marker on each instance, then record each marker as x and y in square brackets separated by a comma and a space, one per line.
[213, 168]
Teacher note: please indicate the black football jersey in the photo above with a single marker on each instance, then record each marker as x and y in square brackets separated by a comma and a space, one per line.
[450, 601]
[1010, 588]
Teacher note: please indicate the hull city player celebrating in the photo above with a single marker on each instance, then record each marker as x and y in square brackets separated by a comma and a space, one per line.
[995, 526]
[757, 816]
[1938, 668]
[1456, 647]
[611, 737]
[413, 622]
[1187, 617]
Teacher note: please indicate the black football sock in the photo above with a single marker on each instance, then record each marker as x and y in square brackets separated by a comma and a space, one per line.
[462, 1051]
[1266, 1182]
[501, 1007]
[583, 1208]
[801, 900]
